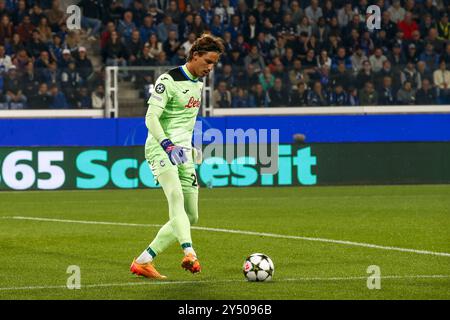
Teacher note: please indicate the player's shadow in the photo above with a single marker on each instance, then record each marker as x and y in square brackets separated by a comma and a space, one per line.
[194, 291]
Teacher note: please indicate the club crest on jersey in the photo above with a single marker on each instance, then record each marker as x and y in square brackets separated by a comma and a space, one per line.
[193, 103]
[160, 88]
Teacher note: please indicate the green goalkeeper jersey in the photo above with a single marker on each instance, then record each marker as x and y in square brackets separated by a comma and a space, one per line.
[172, 110]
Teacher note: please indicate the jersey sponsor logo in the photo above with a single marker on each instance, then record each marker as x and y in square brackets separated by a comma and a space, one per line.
[185, 91]
[193, 103]
[160, 88]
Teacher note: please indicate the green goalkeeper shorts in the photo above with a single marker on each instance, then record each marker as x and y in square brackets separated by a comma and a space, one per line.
[186, 171]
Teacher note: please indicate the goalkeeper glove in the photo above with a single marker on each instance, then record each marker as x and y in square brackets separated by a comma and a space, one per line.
[176, 153]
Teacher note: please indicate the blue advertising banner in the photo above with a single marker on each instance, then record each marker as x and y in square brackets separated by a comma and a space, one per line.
[322, 129]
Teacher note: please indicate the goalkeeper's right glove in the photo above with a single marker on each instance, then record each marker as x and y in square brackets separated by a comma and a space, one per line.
[175, 153]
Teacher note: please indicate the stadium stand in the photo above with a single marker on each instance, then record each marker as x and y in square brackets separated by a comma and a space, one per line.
[279, 53]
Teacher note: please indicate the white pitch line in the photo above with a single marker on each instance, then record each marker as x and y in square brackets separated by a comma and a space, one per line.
[243, 232]
[393, 277]
[84, 221]
[151, 282]
[126, 284]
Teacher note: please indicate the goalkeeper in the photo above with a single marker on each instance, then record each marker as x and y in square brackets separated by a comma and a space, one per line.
[170, 119]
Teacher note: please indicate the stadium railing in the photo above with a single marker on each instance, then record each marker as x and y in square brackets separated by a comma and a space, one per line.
[330, 110]
[128, 88]
[121, 81]
[52, 113]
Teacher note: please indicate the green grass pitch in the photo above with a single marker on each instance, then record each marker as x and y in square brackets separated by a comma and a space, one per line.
[35, 254]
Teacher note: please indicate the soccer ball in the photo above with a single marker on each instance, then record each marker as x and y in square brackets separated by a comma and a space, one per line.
[258, 267]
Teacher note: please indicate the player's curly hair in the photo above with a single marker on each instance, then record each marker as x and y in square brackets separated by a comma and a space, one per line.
[206, 43]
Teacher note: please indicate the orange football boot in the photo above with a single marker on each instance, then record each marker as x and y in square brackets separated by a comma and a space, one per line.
[146, 269]
[191, 263]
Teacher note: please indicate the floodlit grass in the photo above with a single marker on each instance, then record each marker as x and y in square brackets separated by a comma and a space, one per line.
[35, 254]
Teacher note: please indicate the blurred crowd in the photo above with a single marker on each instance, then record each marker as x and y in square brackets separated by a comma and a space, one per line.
[278, 53]
[42, 63]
